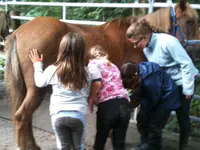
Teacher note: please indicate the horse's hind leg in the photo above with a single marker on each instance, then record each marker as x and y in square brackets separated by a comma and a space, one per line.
[23, 120]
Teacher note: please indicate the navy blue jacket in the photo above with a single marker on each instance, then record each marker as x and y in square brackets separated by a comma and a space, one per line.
[159, 91]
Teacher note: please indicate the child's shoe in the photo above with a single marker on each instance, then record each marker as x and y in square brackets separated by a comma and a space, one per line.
[143, 146]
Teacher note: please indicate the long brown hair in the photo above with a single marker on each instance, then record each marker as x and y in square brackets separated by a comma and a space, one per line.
[70, 61]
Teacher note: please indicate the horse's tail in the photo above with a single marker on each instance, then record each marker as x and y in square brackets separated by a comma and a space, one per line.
[15, 86]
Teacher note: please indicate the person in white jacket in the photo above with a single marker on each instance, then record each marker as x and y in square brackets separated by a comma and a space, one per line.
[167, 51]
[69, 79]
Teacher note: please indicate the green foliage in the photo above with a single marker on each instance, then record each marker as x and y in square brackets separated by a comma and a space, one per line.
[2, 8]
[75, 13]
[2, 67]
[172, 124]
[195, 105]
[194, 111]
[36, 11]
[2, 62]
[45, 11]
[79, 13]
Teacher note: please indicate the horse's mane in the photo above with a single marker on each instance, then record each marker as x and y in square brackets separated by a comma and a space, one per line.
[127, 21]
[159, 20]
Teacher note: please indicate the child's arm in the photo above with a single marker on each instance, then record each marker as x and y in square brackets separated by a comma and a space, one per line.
[95, 87]
[42, 78]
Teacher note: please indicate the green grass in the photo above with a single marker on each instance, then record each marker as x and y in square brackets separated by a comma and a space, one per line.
[195, 105]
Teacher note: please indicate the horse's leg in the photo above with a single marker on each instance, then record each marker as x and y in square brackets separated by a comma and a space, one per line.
[23, 120]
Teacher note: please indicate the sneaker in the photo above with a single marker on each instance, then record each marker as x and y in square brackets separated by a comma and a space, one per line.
[138, 146]
[144, 146]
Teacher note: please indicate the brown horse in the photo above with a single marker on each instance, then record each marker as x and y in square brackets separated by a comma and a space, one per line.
[45, 33]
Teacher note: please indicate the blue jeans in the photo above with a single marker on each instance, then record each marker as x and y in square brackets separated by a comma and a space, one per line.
[69, 128]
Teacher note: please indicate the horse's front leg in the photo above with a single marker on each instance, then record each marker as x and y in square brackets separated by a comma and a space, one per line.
[23, 120]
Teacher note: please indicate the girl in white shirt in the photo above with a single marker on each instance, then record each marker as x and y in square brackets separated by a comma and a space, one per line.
[70, 83]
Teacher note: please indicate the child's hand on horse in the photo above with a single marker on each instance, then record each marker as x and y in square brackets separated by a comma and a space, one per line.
[35, 57]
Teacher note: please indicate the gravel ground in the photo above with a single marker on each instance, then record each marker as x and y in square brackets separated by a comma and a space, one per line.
[46, 139]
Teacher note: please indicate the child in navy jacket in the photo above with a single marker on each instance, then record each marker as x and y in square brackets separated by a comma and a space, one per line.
[158, 95]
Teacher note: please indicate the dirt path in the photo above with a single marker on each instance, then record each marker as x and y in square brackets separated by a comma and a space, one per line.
[46, 139]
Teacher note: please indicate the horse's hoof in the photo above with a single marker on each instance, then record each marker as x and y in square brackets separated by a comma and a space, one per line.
[37, 148]
[34, 148]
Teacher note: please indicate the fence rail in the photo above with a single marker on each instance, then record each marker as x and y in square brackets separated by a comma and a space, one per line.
[101, 5]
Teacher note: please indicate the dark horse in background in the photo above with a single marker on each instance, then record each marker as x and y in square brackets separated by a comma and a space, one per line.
[7, 25]
[45, 34]
[5, 21]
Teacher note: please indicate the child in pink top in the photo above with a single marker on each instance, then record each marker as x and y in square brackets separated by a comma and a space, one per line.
[108, 92]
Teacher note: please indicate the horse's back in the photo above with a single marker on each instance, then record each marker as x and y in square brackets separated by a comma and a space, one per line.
[41, 27]
[42, 33]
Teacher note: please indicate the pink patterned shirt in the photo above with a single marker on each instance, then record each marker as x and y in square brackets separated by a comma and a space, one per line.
[110, 76]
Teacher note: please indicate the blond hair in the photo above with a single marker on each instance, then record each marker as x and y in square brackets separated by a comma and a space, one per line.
[97, 52]
[138, 30]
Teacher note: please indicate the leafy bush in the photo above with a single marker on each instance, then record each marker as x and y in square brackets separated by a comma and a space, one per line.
[194, 111]
[195, 105]
[2, 66]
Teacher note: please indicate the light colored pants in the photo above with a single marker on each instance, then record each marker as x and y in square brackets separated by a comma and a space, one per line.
[69, 128]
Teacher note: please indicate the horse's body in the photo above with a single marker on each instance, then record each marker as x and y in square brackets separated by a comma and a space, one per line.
[44, 34]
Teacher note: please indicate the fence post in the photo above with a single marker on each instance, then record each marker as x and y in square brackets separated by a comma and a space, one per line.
[6, 7]
[150, 6]
[64, 12]
[169, 1]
